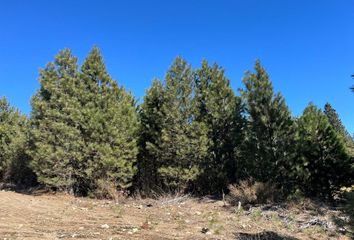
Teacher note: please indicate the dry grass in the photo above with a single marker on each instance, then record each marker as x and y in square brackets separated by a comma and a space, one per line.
[58, 216]
[252, 192]
[106, 189]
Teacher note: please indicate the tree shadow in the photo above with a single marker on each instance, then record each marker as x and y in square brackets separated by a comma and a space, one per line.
[266, 235]
[26, 189]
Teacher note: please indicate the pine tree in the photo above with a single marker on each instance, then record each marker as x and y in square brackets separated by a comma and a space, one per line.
[151, 121]
[184, 142]
[324, 164]
[14, 162]
[221, 111]
[55, 137]
[108, 128]
[337, 125]
[269, 150]
[83, 127]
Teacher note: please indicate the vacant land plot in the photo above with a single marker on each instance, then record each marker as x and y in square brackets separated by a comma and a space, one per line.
[49, 216]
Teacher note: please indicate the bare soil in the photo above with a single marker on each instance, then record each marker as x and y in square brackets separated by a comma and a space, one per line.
[58, 216]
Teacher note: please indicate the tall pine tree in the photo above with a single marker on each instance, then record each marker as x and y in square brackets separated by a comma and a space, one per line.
[337, 125]
[222, 113]
[269, 148]
[151, 118]
[55, 136]
[109, 125]
[14, 162]
[83, 127]
[184, 141]
[324, 164]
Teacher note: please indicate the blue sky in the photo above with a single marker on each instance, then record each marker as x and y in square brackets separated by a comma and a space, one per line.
[306, 46]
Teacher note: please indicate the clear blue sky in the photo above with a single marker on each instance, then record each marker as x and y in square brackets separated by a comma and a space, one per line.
[306, 46]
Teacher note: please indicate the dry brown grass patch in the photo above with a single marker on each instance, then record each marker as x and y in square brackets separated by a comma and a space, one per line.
[253, 192]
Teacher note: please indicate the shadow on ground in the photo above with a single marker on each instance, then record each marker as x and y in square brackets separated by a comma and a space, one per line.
[34, 190]
[266, 235]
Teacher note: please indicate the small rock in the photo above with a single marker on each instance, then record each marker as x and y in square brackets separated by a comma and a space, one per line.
[105, 226]
[146, 225]
[219, 203]
[205, 230]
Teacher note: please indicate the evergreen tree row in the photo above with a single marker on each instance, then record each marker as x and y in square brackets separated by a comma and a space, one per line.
[191, 133]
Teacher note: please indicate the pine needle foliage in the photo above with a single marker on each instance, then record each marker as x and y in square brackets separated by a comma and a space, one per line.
[337, 125]
[270, 136]
[222, 113]
[83, 126]
[14, 162]
[325, 165]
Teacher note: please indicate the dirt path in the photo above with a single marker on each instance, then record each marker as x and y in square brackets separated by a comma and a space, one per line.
[66, 217]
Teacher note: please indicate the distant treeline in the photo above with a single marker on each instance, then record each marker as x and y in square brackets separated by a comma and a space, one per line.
[191, 133]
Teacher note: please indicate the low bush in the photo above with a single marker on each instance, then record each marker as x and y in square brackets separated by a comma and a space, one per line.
[253, 192]
[106, 189]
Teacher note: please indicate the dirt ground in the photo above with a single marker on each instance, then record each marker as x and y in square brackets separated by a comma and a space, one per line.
[49, 216]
